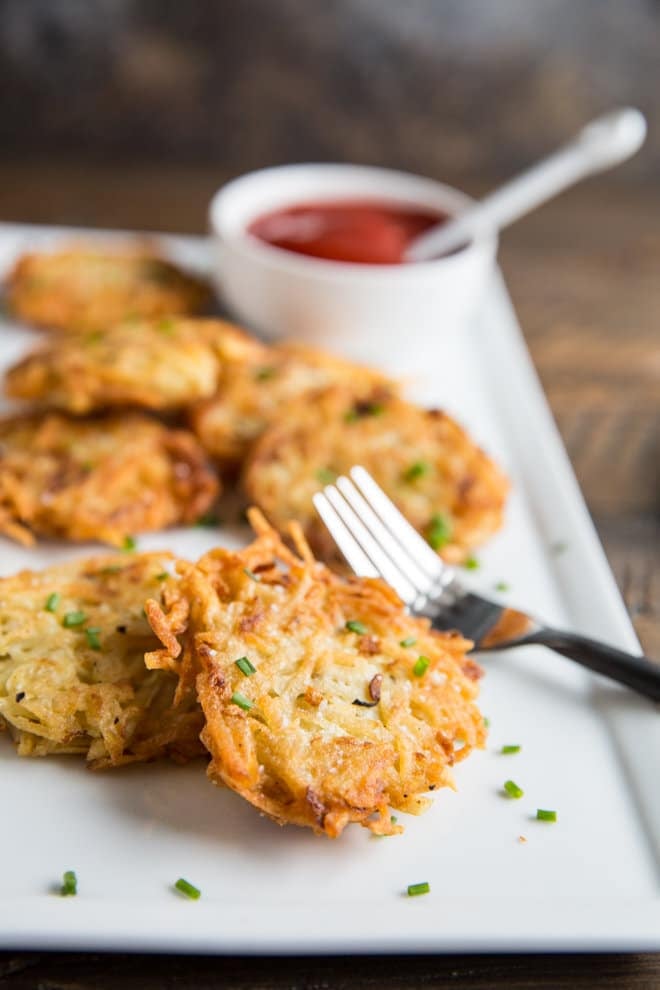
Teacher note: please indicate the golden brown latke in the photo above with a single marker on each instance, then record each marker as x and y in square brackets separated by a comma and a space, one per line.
[90, 287]
[98, 479]
[162, 364]
[443, 483]
[332, 719]
[72, 672]
[256, 389]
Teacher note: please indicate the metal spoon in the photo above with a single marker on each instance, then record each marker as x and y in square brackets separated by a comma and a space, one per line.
[605, 142]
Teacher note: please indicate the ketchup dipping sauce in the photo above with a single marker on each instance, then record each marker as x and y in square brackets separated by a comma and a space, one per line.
[362, 232]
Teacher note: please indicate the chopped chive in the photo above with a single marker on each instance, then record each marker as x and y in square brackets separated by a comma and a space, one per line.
[486, 723]
[438, 531]
[325, 476]
[546, 816]
[242, 702]
[416, 470]
[559, 546]
[53, 601]
[112, 569]
[415, 889]
[187, 889]
[393, 819]
[506, 750]
[245, 666]
[512, 789]
[73, 619]
[408, 641]
[166, 325]
[502, 586]
[251, 574]
[421, 666]
[362, 409]
[129, 544]
[163, 576]
[263, 374]
[471, 564]
[92, 634]
[69, 884]
[353, 625]
[208, 519]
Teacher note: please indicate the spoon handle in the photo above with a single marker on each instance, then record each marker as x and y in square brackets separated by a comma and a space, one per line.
[603, 143]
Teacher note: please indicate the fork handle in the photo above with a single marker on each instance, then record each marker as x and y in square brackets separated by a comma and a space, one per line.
[636, 672]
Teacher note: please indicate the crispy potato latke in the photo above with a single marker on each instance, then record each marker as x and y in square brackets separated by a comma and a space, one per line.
[72, 672]
[443, 483]
[254, 390]
[315, 711]
[159, 364]
[87, 287]
[99, 479]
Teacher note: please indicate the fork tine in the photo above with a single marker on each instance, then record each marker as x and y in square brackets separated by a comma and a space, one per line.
[385, 567]
[349, 546]
[390, 545]
[415, 545]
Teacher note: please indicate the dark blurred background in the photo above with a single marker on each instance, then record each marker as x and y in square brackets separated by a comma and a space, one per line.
[130, 113]
[451, 88]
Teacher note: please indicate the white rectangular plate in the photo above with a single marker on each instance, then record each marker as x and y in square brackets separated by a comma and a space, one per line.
[590, 751]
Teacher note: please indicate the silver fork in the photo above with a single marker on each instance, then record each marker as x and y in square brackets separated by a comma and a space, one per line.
[378, 541]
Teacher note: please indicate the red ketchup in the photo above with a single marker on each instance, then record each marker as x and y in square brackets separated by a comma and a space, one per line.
[359, 231]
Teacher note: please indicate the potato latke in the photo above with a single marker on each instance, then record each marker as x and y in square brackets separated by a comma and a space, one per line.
[255, 390]
[443, 483]
[72, 672]
[159, 364]
[99, 479]
[90, 287]
[316, 713]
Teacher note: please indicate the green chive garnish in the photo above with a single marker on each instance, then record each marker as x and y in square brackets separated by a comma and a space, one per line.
[112, 569]
[502, 586]
[208, 519]
[546, 816]
[92, 634]
[242, 702]
[415, 889]
[353, 625]
[421, 666]
[512, 789]
[73, 619]
[559, 546]
[325, 476]
[251, 574]
[486, 723]
[438, 531]
[129, 544]
[166, 325]
[187, 889]
[362, 409]
[245, 666]
[506, 750]
[53, 601]
[263, 374]
[408, 641]
[416, 470]
[69, 884]
[163, 576]
[471, 564]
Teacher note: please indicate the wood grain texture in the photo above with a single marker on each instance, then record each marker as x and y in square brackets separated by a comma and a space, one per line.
[583, 273]
[105, 972]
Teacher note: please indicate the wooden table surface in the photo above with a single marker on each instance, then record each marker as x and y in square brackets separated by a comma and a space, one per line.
[584, 276]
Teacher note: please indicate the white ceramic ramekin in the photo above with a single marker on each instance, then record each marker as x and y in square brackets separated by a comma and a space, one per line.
[360, 310]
